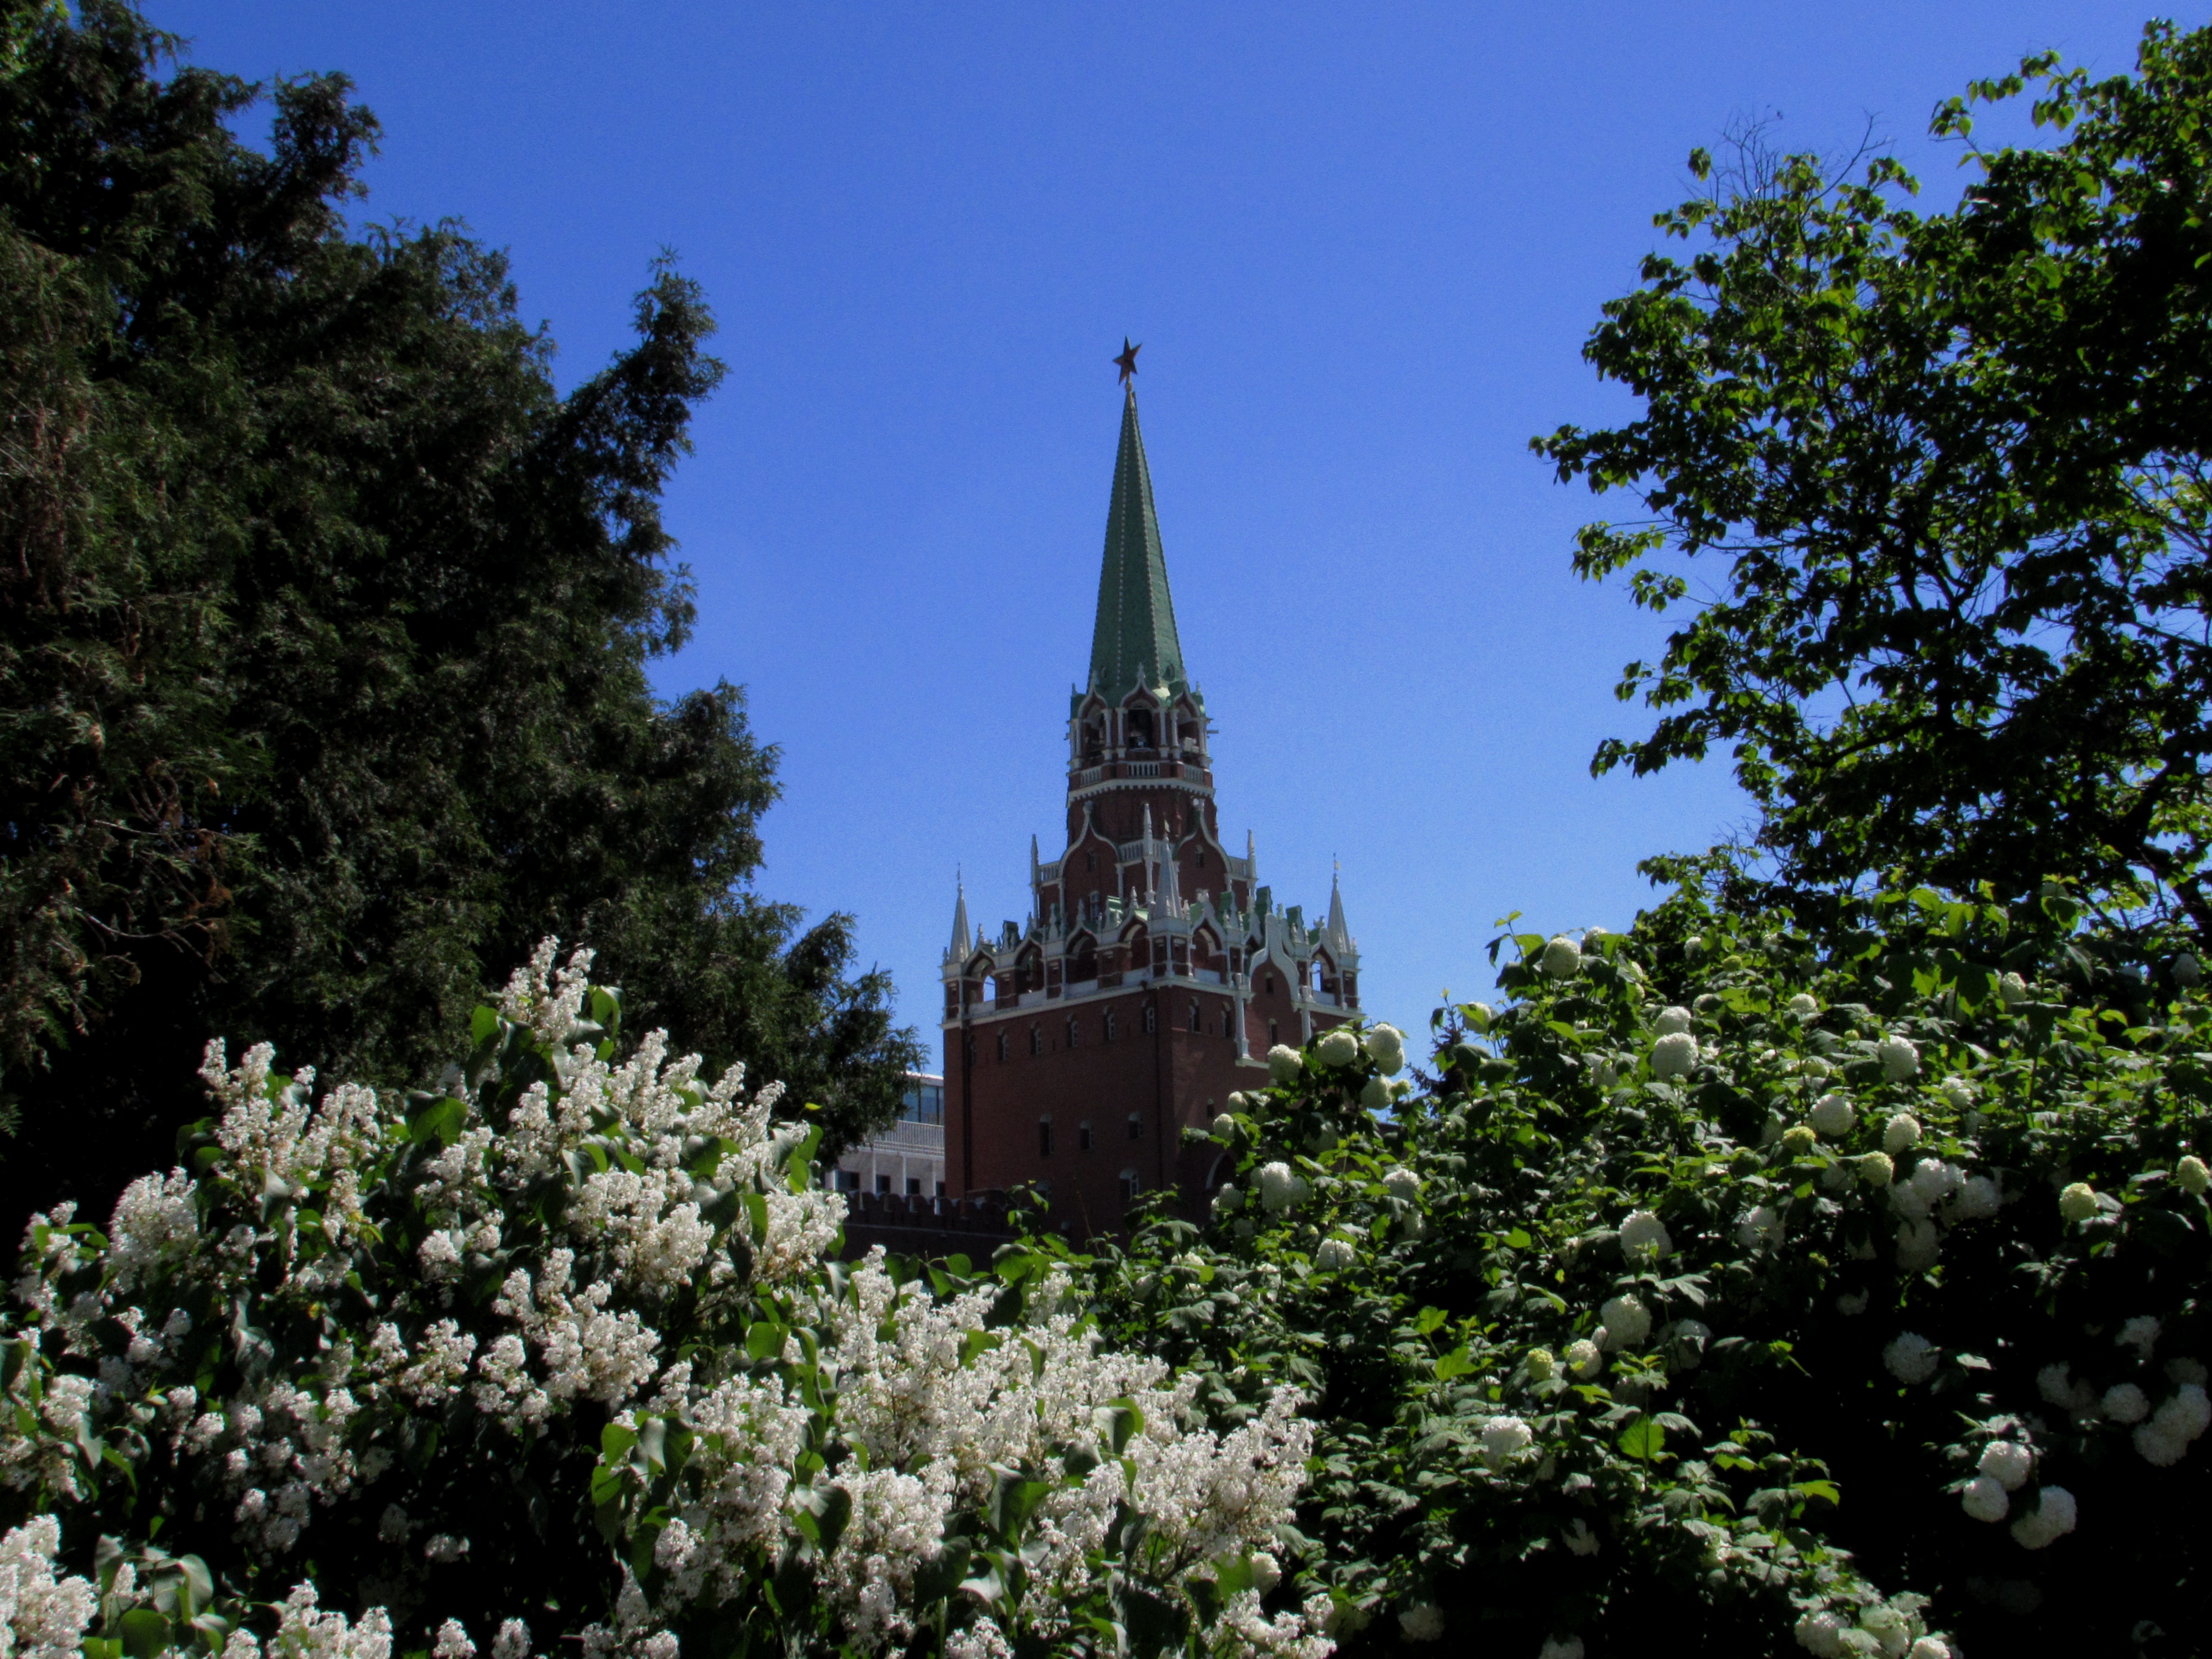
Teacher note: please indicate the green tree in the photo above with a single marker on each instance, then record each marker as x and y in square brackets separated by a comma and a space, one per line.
[1952, 464]
[326, 631]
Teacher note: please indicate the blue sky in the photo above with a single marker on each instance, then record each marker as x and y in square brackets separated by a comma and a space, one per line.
[1361, 245]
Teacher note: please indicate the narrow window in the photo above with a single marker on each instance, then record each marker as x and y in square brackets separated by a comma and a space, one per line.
[1196, 1023]
[848, 1181]
[1037, 1040]
[1129, 1186]
[914, 1185]
[940, 1189]
[1002, 1048]
[1082, 1136]
[1090, 861]
[1071, 1031]
[1110, 1025]
[968, 1051]
[883, 1186]
[1274, 1034]
[1150, 1019]
[1044, 1137]
[1136, 1126]
[1271, 985]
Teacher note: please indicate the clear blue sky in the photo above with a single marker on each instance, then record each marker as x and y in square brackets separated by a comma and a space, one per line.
[1362, 246]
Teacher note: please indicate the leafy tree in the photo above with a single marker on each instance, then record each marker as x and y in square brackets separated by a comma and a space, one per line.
[324, 633]
[1953, 465]
[1754, 1288]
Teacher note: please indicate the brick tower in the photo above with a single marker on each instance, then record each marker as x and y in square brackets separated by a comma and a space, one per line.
[1153, 972]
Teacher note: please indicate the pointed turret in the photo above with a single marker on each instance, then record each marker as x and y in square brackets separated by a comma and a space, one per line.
[1133, 642]
[961, 938]
[1337, 933]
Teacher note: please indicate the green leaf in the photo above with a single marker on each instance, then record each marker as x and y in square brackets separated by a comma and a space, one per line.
[1644, 1440]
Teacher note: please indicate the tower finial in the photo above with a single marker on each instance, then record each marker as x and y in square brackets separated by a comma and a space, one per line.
[960, 936]
[1127, 362]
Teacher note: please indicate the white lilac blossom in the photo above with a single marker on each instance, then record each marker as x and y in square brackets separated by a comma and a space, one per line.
[1584, 1358]
[1674, 1054]
[1624, 1322]
[1338, 1046]
[1279, 1188]
[1832, 1116]
[1910, 1358]
[41, 1616]
[1644, 1238]
[2077, 1202]
[1900, 1059]
[1562, 958]
[1504, 1439]
[1671, 1022]
[1386, 1047]
[1422, 1622]
[2140, 1333]
[1285, 1064]
[1985, 1499]
[2055, 1515]
[1900, 1135]
[1402, 1183]
[2177, 1423]
[2008, 1462]
[1803, 1006]
[2193, 1175]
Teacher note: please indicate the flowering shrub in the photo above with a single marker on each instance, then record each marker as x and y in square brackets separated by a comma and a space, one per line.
[1764, 1285]
[554, 1356]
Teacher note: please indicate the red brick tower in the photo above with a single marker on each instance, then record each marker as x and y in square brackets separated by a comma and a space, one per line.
[1153, 972]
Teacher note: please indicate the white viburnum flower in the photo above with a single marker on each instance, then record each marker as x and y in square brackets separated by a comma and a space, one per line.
[1760, 1225]
[1958, 1091]
[1280, 1187]
[1803, 1006]
[2174, 1426]
[1504, 1438]
[1375, 1094]
[1874, 1168]
[1542, 1364]
[1225, 1126]
[1900, 1135]
[1335, 1254]
[2078, 1202]
[1644, 1238]
[1338, 1046]
[1625, 1322]
[2125, 1403]
[1985, 1499]
[2140, 1333]
[2193, 1175]
[1402, 1183]
[1386, 1047]
[2054, 1516]
[2007, 1463]
[1979, 1198]
[1671, 1021]
[1900, 1059]
[1285, 1064]
[1562, 958]
[2014, 989]
[1910, 1358]
[1584, 1359]
[1851, 1304]
[1674, 1054]
[1561, 1647]
[1832, 1116]
[1422, 1622]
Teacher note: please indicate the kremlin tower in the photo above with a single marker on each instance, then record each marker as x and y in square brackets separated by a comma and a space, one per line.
[1154, 971]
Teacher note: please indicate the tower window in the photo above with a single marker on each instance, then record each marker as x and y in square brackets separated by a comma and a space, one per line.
[1136, 1126]
[1071, 1031]
[968, 1051]
[1037, 1040]
[1090, 861]
[1129, 1186]
[1274, 1034]
[1110, 1025]
[1082, 1136]
[1002, 1048]
[1196, 1023]
[1271, 985]
[1151, 1020]
[914, 1185]
[883, 1186]
[1044, 1137]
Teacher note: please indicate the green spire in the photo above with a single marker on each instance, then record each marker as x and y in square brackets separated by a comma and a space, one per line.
[1134, 643]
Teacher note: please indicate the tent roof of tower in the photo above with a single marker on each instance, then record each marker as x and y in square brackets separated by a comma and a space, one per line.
[1133, 642]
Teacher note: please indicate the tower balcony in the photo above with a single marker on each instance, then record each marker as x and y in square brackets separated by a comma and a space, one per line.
[1112, 771]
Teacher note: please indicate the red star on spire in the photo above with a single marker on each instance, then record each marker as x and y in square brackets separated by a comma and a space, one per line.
[1127, 362]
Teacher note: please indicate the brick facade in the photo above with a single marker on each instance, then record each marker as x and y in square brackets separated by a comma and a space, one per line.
[1153, 972]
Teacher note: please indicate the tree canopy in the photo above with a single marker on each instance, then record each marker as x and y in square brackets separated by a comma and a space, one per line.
[325, 631]
[1953, 465]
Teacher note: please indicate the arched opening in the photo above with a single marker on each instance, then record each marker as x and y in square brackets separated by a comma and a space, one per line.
[1143, 729]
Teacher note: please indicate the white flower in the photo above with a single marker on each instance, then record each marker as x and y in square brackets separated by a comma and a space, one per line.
[1335, 1254]
[1674, 1054]
[1958, 1091]
[41, 1617]
[1918, 1244]
[2140, 1334]
[2124, 1402]
[1820, 1633]
[1564, 1647]
[513, 1641]
[1759, 1225]
[1479, 1016]
[2007, 1463]
[1979, 1198]
[1851, 1304]
[1671, 1021]
[2078, 1202]
[2193, 1175]
[1900, 1135]
[2053, 1516]
[1579, 1539]
[1225, 1126]
[1985, 1499]
[1402, 1183]
[1375, 1095]
[1542, 1364]
[1562, 958]
[1686, 1342]
[1832, 1116]
[2014, 989]
[1874, 1168]
[2175, 1425]
[1929, 1647]
[1910, 1358]
[1339, 1046]
[1266, 1571]
[1643, 1237]
[1803, 1006]
[1284, 1063]
[1386, 1047]
[1279, 1188]
[1624, 1322]
[1900, 1059]
[1504, 1438]
[1584, 1359]
[452, 1642]
[1422, 1622]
